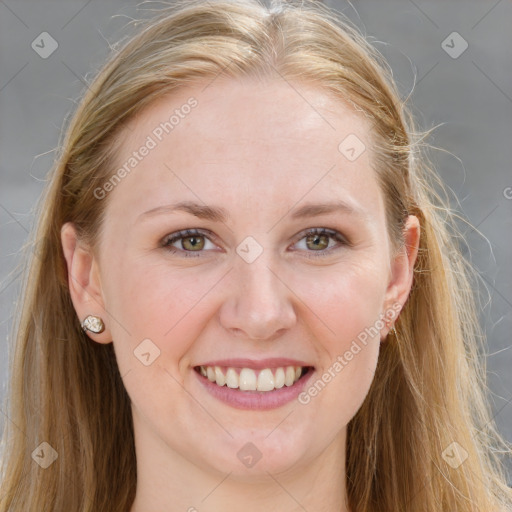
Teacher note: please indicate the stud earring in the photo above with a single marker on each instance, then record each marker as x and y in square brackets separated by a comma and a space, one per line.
[94, 324]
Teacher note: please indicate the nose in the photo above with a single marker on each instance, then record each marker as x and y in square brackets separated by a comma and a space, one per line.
[258, 304]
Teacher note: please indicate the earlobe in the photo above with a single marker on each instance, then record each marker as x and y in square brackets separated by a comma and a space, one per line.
[402, 271]
[84, 282]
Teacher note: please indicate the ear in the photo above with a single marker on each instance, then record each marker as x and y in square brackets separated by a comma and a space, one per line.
[84, 281]
[402, 273]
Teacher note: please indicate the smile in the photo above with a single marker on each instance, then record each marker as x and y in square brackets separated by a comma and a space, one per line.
[267, 385]
[247, 379]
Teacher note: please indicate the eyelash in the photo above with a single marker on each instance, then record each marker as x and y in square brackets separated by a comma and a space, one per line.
[169, 240]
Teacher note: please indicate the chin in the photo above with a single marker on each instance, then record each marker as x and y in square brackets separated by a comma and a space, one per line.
[252, 455]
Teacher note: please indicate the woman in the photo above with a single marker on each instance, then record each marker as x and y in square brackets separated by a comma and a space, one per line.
[247, 293]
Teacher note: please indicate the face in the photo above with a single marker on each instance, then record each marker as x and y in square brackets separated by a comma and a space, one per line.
[260, 282]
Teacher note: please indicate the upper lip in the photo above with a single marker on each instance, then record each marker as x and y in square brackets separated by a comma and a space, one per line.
[271, 362]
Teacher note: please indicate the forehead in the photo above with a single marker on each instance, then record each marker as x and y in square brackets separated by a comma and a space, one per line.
[271, 112]
[248, 142]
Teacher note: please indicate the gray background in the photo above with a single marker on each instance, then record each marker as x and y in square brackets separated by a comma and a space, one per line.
[470, 95]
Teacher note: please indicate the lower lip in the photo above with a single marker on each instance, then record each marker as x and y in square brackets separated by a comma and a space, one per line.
[261, 400]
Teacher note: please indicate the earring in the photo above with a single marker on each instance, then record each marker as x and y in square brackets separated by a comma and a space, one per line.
[94, 324]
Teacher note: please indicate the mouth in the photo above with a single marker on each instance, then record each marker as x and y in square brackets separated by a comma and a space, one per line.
[265, 380]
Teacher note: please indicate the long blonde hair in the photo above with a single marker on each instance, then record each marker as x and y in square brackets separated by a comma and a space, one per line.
[428, 391]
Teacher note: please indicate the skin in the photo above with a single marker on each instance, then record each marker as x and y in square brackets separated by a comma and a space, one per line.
[260, 150]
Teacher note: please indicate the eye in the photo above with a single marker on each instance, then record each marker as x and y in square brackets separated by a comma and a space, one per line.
[318, 242]
[190, 240]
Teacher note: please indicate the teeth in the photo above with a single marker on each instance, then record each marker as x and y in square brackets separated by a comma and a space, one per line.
[279, 378]
[247, 380]
[265, 380]
[219, 377]
[231, 378]
[290, 376]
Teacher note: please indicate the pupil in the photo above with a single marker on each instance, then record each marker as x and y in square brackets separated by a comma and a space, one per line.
[194, 241]
[317, 242]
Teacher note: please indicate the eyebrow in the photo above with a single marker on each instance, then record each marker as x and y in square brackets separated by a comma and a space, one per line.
[219, 214]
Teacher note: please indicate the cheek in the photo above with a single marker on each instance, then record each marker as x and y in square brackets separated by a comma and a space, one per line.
[343, 385]
[348, 310]
[159, 315]
[346, 300]
[154, 302]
